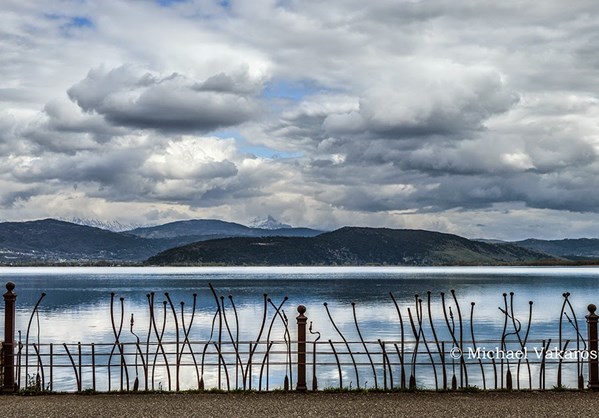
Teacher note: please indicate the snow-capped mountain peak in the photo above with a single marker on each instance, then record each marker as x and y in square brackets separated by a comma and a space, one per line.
[268, 223]
[114, 226]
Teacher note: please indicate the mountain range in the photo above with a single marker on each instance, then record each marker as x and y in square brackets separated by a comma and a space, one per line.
[50, 241]
[216, 242]
[572, 249]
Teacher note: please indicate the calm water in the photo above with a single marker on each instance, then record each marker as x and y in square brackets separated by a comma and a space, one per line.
[77, 305]
[78, 299]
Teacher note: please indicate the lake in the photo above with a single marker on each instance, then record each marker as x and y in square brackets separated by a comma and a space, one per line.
[77, 303]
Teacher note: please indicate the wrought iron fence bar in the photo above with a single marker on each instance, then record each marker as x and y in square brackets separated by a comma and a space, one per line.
[96, 366]
[374, 344]
[171, 352]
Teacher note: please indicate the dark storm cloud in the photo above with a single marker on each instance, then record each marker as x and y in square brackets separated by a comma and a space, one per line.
[225, 195]
[106, 168]
[62, 117]
[61, 127]
[10, 198]
[569, 190]
[449, 193]
[174, 103]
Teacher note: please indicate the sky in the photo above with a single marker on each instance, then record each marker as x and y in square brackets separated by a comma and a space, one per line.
[478, 118]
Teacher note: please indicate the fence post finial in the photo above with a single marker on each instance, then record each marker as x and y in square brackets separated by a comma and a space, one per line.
[301, 349]
[592, 320]
[8, 345]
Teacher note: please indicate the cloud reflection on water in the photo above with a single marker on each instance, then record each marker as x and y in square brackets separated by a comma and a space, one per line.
[77, 305]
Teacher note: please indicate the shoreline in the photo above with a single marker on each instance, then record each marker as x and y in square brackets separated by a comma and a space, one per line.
[142, 264]
[466, 269]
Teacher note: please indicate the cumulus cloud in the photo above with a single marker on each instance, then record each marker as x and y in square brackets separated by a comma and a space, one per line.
[446, 100]
[126, 97]
[192, 159]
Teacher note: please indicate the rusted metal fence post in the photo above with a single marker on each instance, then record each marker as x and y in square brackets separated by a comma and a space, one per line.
[301, 349]
[593, 348]
[8, 346]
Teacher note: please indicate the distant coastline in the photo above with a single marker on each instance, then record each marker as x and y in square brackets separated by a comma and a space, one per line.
[109, 264]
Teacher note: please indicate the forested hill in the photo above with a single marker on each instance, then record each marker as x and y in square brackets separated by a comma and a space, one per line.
[349, 246]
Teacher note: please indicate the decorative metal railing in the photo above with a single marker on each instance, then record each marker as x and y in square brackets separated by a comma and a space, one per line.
[420, 351]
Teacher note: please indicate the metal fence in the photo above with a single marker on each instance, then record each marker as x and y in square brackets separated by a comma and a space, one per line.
[424, 352]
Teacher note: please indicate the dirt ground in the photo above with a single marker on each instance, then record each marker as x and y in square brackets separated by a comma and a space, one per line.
[456, 404]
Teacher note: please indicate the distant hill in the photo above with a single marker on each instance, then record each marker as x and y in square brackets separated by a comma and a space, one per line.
[573, 249]
[53, 241]
[201, 229]
[349, 246]
[195, 227]
[50, 240]
[114, 225]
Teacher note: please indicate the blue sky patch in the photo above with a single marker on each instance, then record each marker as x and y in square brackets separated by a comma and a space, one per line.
[71, 21]
[291, 90]
[229, 133]
[257, 150]
[168, 3]
[81, 22]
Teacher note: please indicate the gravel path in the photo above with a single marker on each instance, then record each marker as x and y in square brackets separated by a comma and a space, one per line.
[445, 405]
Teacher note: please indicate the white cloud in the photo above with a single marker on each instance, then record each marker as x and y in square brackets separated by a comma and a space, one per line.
[400, 113]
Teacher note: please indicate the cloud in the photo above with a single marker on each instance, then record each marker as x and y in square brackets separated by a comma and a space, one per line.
[412, 105]
[61, 127]
[7, 125]
[127, 97]
[446, 100]
[433, 114]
